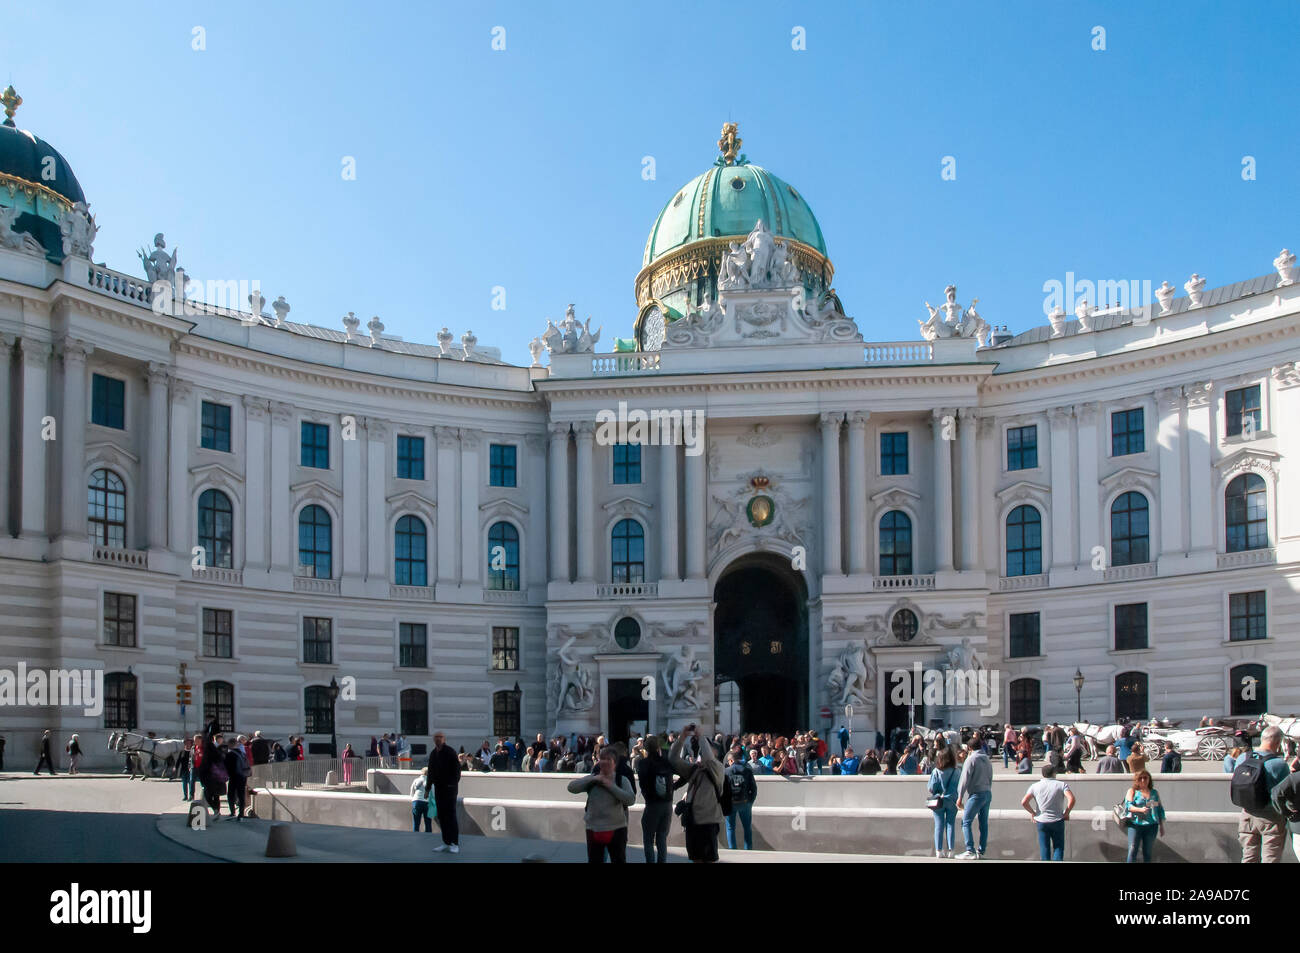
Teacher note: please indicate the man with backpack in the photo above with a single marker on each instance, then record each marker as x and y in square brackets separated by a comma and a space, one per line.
[1262, 827]
[1172, 762]
[704, 806]
[656, 777]
[744, 792]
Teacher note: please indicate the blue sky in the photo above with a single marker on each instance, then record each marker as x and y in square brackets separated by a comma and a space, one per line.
[522, 169]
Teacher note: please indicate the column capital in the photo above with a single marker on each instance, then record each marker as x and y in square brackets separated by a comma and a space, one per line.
[36, 355]
[558, 430]
[447, 437]
[941, 418]
[470, 439]
[1169, 398]
[74, 350]
[831, 420]
[1087, 412]
[857, 419]
[7, 342]
[181, 388]
[988, 426]
[584, 431]
[256, 408]
[968, 413]
[281, 413]
[1059, 416]
[156, 374]
[375, 428]
[1198, 394]
[1288, 374]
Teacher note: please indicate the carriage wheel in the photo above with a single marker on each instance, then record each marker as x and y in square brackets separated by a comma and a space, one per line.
[1212, 748]
[1153, 750]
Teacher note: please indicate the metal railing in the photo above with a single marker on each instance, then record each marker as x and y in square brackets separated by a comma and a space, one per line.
[348, 772]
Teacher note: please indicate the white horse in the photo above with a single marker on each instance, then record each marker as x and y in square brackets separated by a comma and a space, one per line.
[1290, 726]
[1098, 737]
[133, 744]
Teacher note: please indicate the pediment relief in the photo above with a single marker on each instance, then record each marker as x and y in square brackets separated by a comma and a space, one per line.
[895, 496]
[215, 473]
[1131, 478]
[626, 505]
[314, 488]
[495, 509]
[110, 454]
[1023, 491]
[1249, 459]
[410, 501]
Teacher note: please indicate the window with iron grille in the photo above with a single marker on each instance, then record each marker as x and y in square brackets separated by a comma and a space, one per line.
[219, 705]
[119, 619]
[1025, 707]
[505, 649]
[415, 711]
[218, 626]
[1247, 616]
[214, 432]
[318, 717]
[505, 714]
[119, 700]
[501, 465]
[413, 645]
[1131, 696]
[317, 640]
[1023, 639]
[1248, 687]
[1131, 626]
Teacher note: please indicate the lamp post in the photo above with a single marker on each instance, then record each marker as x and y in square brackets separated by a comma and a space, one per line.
[1078, 696]
[334, 738]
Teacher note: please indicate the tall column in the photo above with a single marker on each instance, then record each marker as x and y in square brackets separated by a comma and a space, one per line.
[376, 501]
[354, 503]
[6, 412]
[584, 431]
[695, 489]
[282, 534]
[1090, 520]
[1062, 470]
[669, 567]
[830, 425]
[72, 439]
[448, 504]
[178, 478]
[858, 532]
[36, 359]
[1200, 469]
[471, 573]
[256, 520]
[534, 474]
[558, 492]
[1169, 404]
[942, 423]
[970, 489]
[1286, 381]
[156, 458]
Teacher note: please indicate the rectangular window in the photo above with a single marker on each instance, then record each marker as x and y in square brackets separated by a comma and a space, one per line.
[214, 433]
[1131, 626]
[1243, 404]
[1127, 432]
[1023, 638]
[108, 402]
[502, 465]
[1022, 447]
[1247, 617]
[413, 647]
[217, 627]
[317, 640]
[505, 649]
[893, 454]
[627, 463]
[505, 714]
[315, 445]
[410, 457]
[119, 619]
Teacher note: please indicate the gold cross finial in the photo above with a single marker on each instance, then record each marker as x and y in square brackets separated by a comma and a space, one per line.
[730, 142]
[11, 101]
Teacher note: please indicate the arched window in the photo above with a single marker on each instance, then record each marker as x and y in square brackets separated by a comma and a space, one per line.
[106, 509]
[219, 705]
[1130, 530]
[503, 556]
[627, 552]
[119, 700]
[1131, 696]
[1246, 513]
[415, 711]
[895, 544]
[1248, 688]
[410, 552]
[1024, 542]
[1026, 702]
[216, 529]
[318, 717]
[315, 543]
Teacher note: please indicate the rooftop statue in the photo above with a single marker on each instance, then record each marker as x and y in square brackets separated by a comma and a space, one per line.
[759, 262]
[570, 337]
[954, 321]
[158, 265]
[730, 142]
[78, 229]
[16, 240]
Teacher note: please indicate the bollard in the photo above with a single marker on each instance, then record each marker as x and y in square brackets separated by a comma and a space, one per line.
[279, 841]
[331, 779]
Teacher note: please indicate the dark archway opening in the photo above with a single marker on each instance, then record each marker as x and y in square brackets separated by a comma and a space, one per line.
[760, 627]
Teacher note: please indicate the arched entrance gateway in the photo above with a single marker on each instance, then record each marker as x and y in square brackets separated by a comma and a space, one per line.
[760, 641]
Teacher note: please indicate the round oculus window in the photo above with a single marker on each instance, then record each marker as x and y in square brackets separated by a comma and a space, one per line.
[737, 183]
[627, 633]
[904, 625]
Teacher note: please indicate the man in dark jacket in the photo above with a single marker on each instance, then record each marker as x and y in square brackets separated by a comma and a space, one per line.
[744, 791]
[1172, 762]
[261, 749]
[657, 789]
[47, 756]
[237, 770]
[444, 779]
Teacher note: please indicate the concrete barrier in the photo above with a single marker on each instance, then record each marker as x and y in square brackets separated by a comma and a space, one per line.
[843, 815]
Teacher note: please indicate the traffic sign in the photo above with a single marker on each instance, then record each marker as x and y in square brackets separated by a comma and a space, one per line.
[826, 712]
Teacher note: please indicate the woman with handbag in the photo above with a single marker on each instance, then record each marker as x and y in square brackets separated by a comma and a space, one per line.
[1145, 816]
[943, 780]
[609, 795]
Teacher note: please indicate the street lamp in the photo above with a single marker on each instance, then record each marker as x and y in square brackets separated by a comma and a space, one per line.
[334, 738]
[1078, 695]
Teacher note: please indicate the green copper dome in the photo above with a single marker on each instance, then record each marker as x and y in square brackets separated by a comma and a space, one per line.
[728, 200]
[35, 179]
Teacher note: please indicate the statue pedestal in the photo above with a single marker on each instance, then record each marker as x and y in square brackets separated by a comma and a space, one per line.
[582, 722]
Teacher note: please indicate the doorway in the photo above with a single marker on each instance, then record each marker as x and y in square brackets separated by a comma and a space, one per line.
[628, 712]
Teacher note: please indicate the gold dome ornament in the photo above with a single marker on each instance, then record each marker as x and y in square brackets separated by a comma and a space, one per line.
[11, 101]
[729, 144]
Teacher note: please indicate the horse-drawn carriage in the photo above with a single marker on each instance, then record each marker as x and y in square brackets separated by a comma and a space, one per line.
[163, 753]
[1209, 743]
